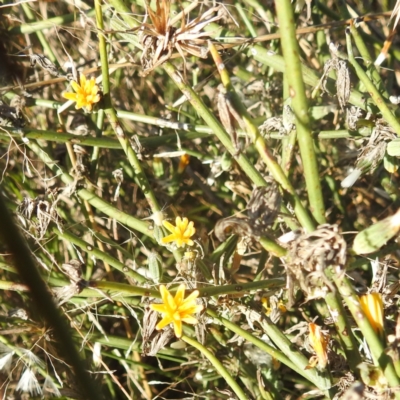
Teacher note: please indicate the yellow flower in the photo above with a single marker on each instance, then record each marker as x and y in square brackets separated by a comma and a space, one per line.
[181, 233]
[372, 306]
[319, 344]
[177, 309]
[86, 94]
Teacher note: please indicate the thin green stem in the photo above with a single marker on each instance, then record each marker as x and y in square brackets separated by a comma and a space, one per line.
[293, 359]
[375, 344]
[260, 144]
[374, 93]
[112, 116]
[48, 23]
[218, 366]
[100, 255]
[40, 35]
[290, 51]
[310, 77]
[343, 328]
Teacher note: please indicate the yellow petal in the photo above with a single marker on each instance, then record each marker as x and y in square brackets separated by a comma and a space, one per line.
[158, 307]
[182, 223]
[164, 322]
[180, 294]
[164, 293]
[169, 226]
[75, 86]
[178, 328]
[190, 230]
[168, 239]
[83, 81]
[372, 305]
[190, 309]
[192, 296]
[70, 96]
[189, 242]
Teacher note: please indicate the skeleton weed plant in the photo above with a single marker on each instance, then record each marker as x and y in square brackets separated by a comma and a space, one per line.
[198, 237]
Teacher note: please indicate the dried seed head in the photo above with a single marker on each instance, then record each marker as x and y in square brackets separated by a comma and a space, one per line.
[308, 257]
[342, 76]
[372, 154]
[264, 205]
[353, 114]
[73, 269]
[160, 38]
[29, 384]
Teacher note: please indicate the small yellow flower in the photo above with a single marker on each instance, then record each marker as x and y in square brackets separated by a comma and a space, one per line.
[176, 310]
[86, 94]
[372, 306]
[319, 344]
[181, 233]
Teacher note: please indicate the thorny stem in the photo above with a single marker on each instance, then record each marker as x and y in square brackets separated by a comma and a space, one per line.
[290, 51]
[48, 23]
[218, 366]
[199, 106]
[310, 77]
[40, 35]
[204, 291]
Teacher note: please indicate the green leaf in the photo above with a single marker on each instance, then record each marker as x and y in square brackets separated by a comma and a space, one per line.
[377, 235]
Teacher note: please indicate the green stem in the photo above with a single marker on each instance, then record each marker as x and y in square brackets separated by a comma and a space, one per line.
[93, 251]
[290, 51]
[343, 328]
[376, 346]
[94, 200]
[293, 359]
[218, 366]
[40, 35]
[112, 116]
[48, 23]
[310, 77]
[259, 142]
[373, 92]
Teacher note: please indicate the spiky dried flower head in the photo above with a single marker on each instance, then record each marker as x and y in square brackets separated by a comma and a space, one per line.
[160, 38]
[310, 254]
[177, 309]
[87, 93]
[181, 233]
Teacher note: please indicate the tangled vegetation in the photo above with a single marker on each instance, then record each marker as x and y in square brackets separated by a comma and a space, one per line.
[199, 200]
